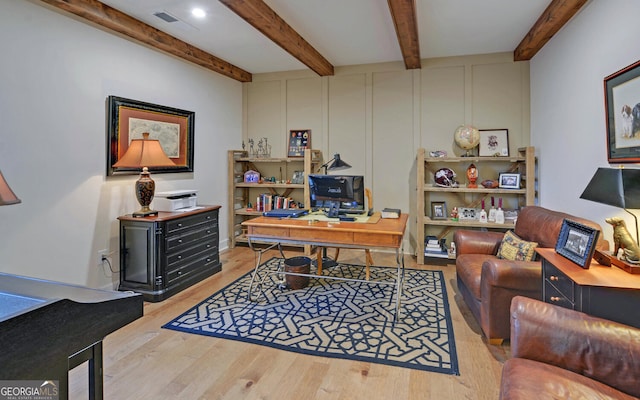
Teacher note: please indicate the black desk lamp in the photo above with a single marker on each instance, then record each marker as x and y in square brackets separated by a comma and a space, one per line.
[617, 187]
[335, 164]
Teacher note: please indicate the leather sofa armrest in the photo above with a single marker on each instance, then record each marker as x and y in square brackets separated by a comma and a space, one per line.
[519, 275]
[477, 242]
[603, 350]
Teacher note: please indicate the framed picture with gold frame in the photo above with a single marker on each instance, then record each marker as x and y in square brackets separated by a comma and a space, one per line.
[128, 119]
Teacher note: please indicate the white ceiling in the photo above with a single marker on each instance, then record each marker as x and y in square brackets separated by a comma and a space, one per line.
[345, 32]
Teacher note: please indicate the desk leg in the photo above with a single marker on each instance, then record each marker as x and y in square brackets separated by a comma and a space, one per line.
[95, 373]
[255, 276]
[319, 259]
[399, 281]
[368, 262]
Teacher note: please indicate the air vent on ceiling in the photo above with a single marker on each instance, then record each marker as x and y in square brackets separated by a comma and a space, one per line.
[166, 16]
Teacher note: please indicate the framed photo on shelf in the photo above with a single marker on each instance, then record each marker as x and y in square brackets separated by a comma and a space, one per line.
[128, 119]
[494, 143]
[298, 177]
[622, 107]
[299, 140]
[509, 181]
[438, 210]
[576, 242]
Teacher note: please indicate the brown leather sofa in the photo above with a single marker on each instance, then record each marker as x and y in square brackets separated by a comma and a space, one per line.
[488, 283]
[559, 353]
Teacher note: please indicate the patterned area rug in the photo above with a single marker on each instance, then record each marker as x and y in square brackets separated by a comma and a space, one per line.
[338, 319]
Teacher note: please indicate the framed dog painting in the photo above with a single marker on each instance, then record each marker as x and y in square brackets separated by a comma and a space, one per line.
[622, 104]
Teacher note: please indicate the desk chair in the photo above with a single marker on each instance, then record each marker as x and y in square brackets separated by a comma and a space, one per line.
[367, 252]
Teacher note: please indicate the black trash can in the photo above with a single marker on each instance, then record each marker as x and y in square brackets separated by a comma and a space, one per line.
[298, 265]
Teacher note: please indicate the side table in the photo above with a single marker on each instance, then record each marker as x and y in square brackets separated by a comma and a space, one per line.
[606, 292]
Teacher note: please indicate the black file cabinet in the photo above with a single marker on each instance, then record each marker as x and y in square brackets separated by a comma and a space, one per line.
[164, 254]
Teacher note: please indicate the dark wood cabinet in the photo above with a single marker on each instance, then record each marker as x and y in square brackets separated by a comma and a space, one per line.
[606, 292]
[164, 254]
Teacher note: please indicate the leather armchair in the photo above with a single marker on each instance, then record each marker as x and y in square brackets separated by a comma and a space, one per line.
[488, 284]
[559, 353]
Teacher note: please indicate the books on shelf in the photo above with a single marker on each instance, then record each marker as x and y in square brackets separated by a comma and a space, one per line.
[390, 213]
[433, 247]
[268, 202]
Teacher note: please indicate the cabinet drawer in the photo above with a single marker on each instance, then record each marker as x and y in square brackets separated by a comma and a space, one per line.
[554, 296]
[187, 254]
[197, 264]
[205, 233]
[175, 226]
[559, 281]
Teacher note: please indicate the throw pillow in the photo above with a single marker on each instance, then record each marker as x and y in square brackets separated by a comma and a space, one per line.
[515, 249]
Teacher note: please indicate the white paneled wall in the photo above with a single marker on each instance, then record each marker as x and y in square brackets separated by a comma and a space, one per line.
[377, 116]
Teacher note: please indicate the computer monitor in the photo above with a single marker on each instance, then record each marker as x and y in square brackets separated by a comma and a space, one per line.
[344, 192]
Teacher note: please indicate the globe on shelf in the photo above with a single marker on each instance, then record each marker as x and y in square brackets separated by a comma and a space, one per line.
[467, 138]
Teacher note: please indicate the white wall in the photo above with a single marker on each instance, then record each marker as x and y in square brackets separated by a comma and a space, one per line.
[55, 76]
[567, 103]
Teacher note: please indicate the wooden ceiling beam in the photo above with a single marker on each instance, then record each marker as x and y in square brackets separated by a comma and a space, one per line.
[112, 19]
[259, 15]
[405, 20]
[558, 13]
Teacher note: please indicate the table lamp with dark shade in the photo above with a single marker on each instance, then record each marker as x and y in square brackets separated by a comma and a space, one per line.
[7, 197]
[144, 153]
[335, 164]
[619, 187]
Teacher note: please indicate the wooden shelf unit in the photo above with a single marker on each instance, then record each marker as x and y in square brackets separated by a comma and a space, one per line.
[241, 193]
[523, 163]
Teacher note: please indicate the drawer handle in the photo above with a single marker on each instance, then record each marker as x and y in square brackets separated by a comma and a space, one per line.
[208, 216]
[555, 299]
[179, 225]
[554, 278]
[208, 232]
[179, 240]
[208, 246]
[208, 259]
[180, 257]
[179, 272]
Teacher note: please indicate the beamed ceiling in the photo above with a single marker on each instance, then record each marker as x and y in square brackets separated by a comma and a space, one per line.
[238, 38]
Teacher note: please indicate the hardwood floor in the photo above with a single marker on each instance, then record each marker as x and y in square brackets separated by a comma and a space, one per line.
[143, 361]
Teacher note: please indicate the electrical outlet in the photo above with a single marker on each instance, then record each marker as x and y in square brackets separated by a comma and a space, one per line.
[102, 255]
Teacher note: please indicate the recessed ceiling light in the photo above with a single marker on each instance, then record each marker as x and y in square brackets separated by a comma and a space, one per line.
[198, 13]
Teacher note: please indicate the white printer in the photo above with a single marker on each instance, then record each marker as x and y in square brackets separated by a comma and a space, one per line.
[175, 200]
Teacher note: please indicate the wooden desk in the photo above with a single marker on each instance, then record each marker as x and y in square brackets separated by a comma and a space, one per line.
[606, 292]
[386, 233]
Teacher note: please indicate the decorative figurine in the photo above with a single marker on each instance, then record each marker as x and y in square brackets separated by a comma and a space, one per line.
[472, 176]
[622, 240]
[500, 213]
[483, 214]
[492, 211]
[454, 214]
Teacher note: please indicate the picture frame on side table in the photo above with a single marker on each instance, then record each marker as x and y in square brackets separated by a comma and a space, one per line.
[576, 242]
[128, 119]
[299, 140]
[494, 143]
[438, 210]
[622, 107]
[509, 181]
